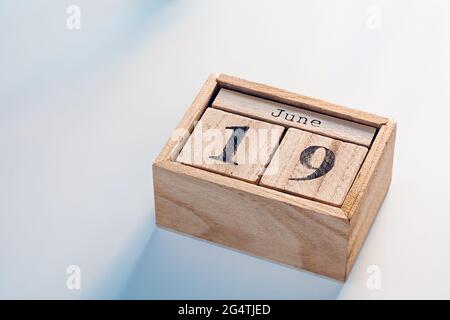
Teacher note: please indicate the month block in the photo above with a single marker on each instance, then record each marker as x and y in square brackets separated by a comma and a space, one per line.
[232, 145]
[314, 166]
[275, 174]
[291, 116]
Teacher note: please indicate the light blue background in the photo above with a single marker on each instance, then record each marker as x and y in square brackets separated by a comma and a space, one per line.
[83, 114]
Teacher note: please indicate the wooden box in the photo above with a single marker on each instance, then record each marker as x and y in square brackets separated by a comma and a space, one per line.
[310, 200]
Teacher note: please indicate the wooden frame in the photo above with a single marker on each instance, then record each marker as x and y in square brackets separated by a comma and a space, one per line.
[265, 222]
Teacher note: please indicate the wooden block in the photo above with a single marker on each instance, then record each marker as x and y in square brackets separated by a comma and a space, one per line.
[247, 217]
[260, 90]
[314, 166]
[231, 145]
[369, 190]
[318, 226]
[295, 117]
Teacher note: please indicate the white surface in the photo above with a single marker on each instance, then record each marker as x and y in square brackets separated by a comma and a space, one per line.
[84, 113]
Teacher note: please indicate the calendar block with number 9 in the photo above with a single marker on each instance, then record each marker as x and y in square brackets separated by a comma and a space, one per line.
[275, 174]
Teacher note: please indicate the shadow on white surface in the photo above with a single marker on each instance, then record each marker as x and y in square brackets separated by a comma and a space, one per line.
[112, 282]
[174, 266]
[76, 145]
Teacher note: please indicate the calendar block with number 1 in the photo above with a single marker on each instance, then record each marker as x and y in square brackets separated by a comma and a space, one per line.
[275, 174]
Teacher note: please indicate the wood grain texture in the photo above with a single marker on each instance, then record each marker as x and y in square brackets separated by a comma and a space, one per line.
[283, 96]
[369, 190]
[266, 222]
[285, 171]
[219, 144]
[290, 116]
[250, 218]
[186, 125]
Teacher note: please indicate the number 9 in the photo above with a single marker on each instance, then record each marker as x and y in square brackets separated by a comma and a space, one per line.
[326, 165]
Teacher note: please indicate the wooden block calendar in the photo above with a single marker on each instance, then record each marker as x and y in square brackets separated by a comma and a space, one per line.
[275, 174]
